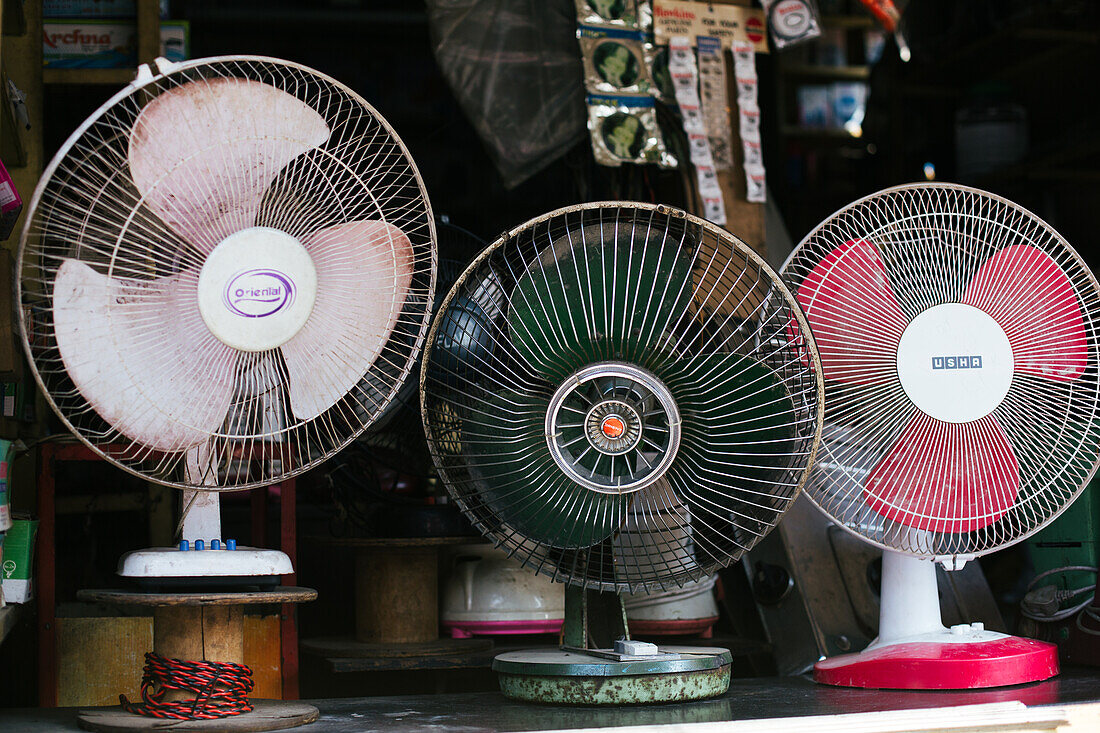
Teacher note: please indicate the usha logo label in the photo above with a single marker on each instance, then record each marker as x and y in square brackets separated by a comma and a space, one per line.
[956, 362]
[259, 293]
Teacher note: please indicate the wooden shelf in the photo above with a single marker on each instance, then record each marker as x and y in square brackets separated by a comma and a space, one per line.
[9, 614]
[826, 72]
[118, 77]
[836, 134]
[847, 21]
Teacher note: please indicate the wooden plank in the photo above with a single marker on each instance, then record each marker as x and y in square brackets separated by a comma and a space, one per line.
[101, 657]
[116, 77]
[282, 594]
[21, 60]
[8, 616]
[743, 218]
[268, 715]
[827, 72]
[263, 654]
[148, 30]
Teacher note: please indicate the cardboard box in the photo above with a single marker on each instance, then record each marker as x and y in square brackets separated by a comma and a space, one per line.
[18, 558]
[89, 44]
[175, 40]
[94, 8]
[74, 43]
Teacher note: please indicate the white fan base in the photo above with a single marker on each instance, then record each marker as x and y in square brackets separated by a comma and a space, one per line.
[959, 634]
[171, 562]
[915, 651]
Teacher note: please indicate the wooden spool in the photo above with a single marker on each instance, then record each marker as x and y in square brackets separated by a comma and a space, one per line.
[396, 587]
[200, 627]
[396, 595]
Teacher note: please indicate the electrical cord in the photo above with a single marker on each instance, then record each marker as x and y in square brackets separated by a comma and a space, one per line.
[221, 689]
[1044, 603]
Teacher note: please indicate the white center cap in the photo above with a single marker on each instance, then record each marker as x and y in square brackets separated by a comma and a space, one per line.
[955, 363]
[257, 288]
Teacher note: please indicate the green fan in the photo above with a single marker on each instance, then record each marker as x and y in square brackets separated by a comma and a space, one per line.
[625, 398]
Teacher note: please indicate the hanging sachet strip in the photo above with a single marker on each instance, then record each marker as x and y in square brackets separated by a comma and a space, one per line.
[681, 64]
[748, 114]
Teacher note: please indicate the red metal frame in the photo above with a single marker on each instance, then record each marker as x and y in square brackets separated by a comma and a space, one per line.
[45, 568]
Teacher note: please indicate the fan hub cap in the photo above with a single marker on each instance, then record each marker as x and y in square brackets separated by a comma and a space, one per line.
[955, 363]
[613, 427]
[257, 289]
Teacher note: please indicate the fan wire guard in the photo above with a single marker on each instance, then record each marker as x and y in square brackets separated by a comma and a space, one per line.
[641, 321]
[90, 208]
[949, 488]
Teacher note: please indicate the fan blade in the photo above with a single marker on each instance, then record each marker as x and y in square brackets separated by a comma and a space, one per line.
[1029, 295]
[854, 315]
[140, 354]
[503, 435]
[611, 297]
[946, 477]
[734, 467]
[203, 153]
[364, 270]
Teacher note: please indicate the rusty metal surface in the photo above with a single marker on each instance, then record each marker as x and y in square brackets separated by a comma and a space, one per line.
[622, 690]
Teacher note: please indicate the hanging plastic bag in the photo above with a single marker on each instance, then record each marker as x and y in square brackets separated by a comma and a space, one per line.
[514, 67]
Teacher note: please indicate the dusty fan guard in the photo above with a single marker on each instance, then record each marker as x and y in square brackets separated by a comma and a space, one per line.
[624, 397]
[958, 341]
[226, 274]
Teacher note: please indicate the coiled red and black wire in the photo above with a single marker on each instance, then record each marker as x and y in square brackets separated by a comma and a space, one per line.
[221, 689]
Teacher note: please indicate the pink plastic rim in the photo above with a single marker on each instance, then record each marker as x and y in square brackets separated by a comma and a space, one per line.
[466, 629]
[938, 666]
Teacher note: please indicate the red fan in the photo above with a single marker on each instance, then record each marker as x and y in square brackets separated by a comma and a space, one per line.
[958, 343]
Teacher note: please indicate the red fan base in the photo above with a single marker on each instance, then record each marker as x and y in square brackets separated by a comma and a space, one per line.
[942, 666]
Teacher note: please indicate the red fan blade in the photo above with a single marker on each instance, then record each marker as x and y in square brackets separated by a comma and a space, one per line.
[854, 316]
[946, 477]
[1029, 295]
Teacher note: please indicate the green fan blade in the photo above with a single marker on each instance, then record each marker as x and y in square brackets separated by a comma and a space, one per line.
[503, 434]
[611, 297]
[738, 438]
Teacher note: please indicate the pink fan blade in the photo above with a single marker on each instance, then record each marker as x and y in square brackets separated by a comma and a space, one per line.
[202, 154]
[364, 269]
[946, 477]
[141, 356]
[853, 314]
[1029, 295]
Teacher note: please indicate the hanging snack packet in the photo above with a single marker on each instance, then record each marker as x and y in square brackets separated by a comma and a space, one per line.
[607, 13]
[624, 130]
[791, 21]
[614, 61]
[657, 61]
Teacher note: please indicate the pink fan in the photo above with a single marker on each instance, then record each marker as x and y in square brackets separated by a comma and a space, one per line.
[227, 273]
[958, 342]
